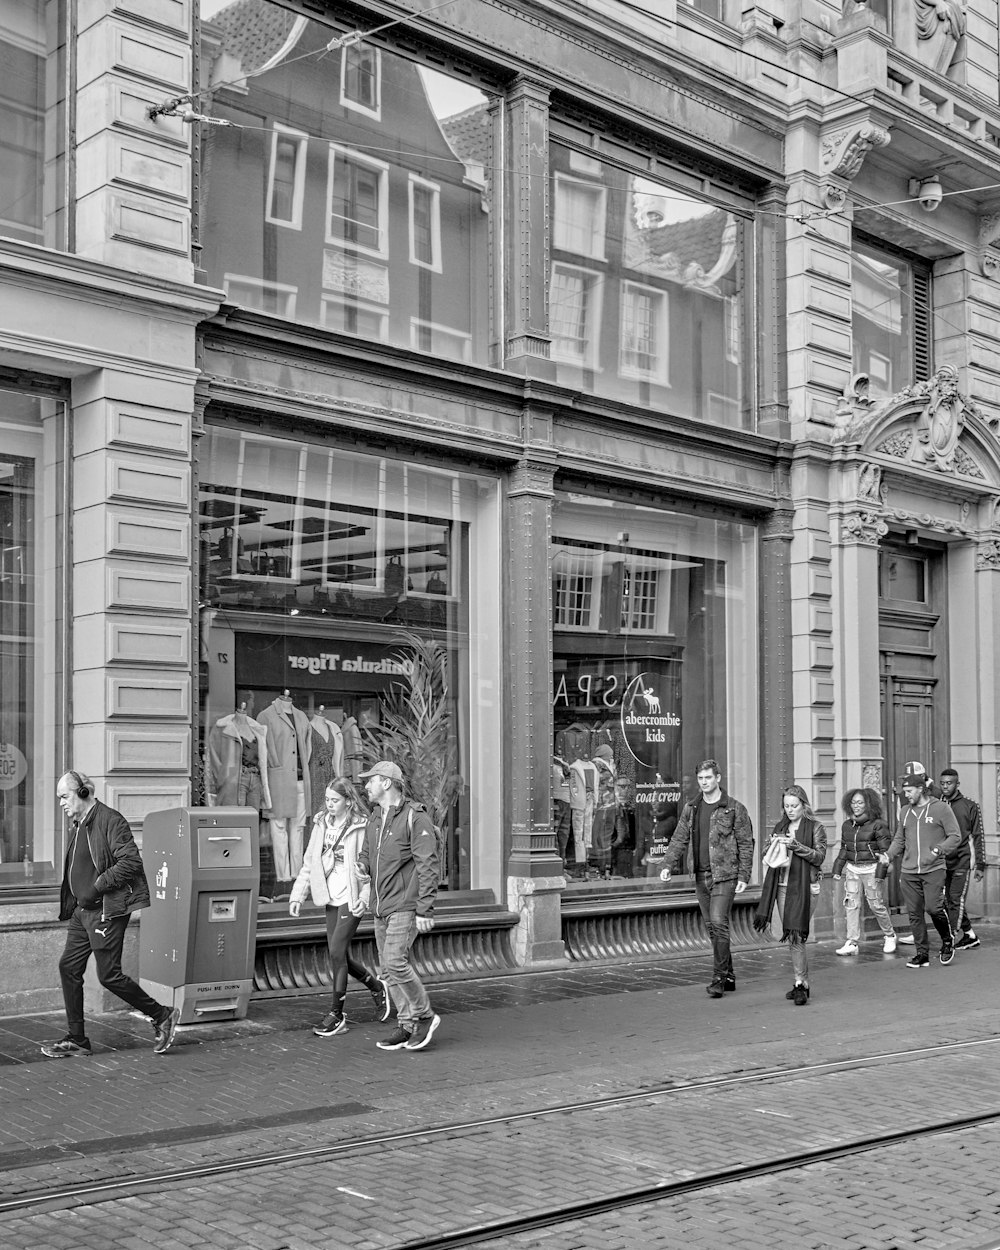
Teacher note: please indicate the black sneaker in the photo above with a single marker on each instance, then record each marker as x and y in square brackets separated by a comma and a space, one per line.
[967, 942]
[165, 1031]
[918, 961]
[422, 1033]
[947, 953]
[800, 995]
[67, 1048]
[331, 1025]
[729, 985]
[382, 1000]
[396, 1040]
[715, 990]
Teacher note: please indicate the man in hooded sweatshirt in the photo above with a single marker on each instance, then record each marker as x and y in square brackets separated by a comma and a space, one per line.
[925, 835]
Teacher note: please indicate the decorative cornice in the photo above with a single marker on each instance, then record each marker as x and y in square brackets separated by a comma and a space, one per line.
[928, 522]
[844, 150]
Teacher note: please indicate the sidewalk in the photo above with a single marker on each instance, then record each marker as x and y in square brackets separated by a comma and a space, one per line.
[508, 1044]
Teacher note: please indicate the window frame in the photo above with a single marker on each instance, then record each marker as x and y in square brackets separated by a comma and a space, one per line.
[299, 177]
[434, 265]
[595, 292]
[357, 106]
[262, 284]
[381, 169]
[328, 299]
[661, 374]
[437, 327]
[562, 181]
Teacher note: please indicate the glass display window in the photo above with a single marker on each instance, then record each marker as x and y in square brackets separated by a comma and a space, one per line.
[328, 578]
[648, 292]
[655, 641]
[351, 188]
[32, 725]
[32, 121]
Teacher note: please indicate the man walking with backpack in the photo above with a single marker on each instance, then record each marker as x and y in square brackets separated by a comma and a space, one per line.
[399, 855]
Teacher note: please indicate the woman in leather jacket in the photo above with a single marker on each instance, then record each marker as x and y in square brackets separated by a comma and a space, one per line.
[862, 862]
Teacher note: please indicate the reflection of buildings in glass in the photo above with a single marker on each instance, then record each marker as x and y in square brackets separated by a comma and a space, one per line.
[646, 292]
[341, 200]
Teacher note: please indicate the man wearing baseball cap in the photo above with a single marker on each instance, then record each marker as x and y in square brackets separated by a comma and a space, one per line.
[399, 855]
[925, 834]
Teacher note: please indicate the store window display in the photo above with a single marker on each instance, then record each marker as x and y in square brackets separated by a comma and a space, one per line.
[655, 666]
[324, 569]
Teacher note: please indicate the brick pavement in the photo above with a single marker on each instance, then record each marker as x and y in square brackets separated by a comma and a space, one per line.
[512, 1045]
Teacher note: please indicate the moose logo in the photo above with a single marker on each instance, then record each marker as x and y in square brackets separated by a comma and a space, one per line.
[644, 723]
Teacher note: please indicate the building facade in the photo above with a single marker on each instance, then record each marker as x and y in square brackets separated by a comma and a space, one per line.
[598, 388]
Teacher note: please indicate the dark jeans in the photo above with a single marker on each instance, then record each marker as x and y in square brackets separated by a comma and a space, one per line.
[563, 827]
[924, 892]
[956, 885]
[715, 898]
[341, 926]
[88, 934]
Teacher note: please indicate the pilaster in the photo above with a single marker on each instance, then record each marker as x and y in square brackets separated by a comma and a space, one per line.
[776, 660]
[133, 173]
[772, 389]
[526, 199]
[534, 871]
[132, 576]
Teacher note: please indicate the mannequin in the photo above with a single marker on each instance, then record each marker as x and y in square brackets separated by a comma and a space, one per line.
[289, 748]
[583, 784]
[236, 762]
[327, 751]
[560, 799]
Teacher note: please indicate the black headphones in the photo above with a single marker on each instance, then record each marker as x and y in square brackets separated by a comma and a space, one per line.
[83, 790]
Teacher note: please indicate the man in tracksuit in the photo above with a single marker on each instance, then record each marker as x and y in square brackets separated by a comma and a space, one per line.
[399, 855]
[959, 863]
[926, 834]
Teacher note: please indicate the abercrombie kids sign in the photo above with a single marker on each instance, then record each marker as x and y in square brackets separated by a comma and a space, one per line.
[270, 660]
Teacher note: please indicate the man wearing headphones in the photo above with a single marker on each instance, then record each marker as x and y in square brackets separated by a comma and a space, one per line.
[103, 883]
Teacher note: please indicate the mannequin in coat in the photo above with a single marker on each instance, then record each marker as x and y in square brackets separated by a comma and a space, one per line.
[289, 746]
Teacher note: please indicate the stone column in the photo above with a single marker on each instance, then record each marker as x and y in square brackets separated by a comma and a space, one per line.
[534, 871]
[133, 174]
[776, 661]
[772, 388]
[526, 212]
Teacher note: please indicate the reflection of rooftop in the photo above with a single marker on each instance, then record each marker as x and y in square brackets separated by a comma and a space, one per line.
[254, 30]
[698, 240]
[470, 135]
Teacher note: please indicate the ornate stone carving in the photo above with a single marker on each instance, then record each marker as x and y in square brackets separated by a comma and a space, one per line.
[870, 483]
[988, 555]
[834, 197]
[940, 25]
[940, 423]
[926, 521]
[989, 232]
[871, 775]
[964, 463]
[897, 444]
[854, 409]
[845, 150]
[865, 528]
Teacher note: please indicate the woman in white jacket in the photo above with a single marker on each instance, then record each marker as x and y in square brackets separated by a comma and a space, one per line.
[328, 874]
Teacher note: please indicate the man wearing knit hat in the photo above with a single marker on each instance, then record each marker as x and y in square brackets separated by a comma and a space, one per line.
[925, 834]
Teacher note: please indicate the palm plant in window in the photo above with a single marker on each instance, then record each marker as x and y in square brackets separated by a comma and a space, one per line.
[417, 732]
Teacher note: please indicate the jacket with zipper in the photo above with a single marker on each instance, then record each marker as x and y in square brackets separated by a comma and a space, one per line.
[312, 879]
[925, 836]
[861, 842]
[121, 878]
[970, 828]
[401, 860]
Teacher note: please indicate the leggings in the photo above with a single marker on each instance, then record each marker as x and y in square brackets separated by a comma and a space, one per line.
[340, 928]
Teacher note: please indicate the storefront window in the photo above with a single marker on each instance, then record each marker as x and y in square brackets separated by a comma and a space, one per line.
[655, 668]
[350, 190]
[364, 590]
[32, 121]
[646, 292]
[31, 727]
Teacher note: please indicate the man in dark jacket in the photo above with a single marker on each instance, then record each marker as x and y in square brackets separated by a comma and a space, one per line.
[719, 828]
[959, 863]
[103, 883]
[399, 856]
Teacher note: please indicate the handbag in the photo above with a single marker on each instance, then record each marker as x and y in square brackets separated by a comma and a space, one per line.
[777, 854]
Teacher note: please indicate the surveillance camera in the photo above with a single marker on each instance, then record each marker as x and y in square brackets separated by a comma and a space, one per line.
[930, 194]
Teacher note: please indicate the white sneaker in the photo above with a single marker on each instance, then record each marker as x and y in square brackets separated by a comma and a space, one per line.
[889, 943]
[906, 940]
[849, 948]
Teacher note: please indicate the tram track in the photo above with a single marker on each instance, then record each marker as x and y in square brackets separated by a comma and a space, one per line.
[110, 1189]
